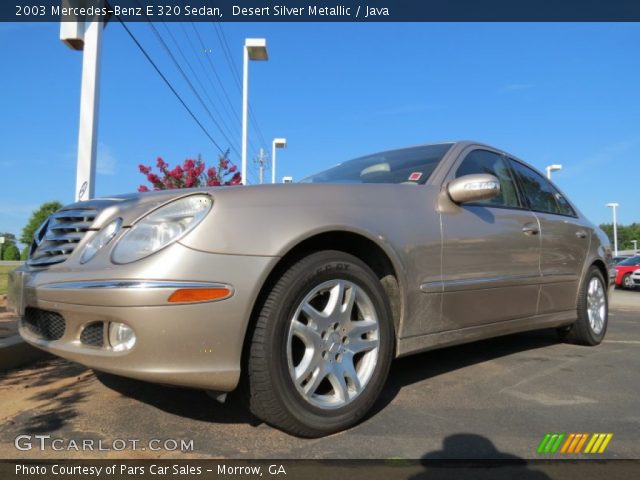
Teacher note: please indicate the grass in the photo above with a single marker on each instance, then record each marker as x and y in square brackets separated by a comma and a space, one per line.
[4, 272]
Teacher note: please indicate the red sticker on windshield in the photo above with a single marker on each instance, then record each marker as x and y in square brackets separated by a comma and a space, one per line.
[415, 176]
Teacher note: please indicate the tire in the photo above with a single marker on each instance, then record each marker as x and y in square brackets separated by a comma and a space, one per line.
[626, 282]
[593, 311]
[292, 349]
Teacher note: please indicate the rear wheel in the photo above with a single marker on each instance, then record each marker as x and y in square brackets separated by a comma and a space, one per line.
[593, 311]
[322, 346]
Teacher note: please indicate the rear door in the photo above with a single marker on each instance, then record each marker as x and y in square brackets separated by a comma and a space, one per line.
[490, 251]
[565, 240]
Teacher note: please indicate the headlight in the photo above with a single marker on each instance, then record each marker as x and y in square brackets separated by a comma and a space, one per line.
[103, 237]
[161, 227]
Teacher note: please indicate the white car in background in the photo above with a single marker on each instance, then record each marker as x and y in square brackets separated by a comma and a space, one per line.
[635, 278]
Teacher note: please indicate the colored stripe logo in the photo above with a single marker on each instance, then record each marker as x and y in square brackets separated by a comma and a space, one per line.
[568, 443]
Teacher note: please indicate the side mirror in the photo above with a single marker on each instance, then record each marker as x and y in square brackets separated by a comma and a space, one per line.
[472, 188]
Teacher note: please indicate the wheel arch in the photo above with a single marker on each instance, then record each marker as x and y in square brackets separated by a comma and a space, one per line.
[603, 270]
[384, 264]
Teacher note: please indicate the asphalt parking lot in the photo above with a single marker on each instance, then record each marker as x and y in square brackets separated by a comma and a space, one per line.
[491, 399]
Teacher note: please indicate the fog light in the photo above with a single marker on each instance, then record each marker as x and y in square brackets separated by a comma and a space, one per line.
[121, 337]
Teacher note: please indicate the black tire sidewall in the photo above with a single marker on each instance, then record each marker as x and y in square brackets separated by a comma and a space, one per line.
[319, 268]
[594, 338]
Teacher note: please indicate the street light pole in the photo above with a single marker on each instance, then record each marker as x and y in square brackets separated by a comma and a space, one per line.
[277, 143]
[613, 206]
[552, 168]
[635, 246]
[254, 49]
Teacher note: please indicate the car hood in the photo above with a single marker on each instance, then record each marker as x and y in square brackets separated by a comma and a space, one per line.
[132, 206]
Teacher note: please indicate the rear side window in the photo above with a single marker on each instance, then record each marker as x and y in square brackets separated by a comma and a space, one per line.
[541, 195]
[483, 161]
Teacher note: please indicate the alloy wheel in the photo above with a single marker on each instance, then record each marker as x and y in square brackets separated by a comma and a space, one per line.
[333, 344]
[627, 281]
[596, 305]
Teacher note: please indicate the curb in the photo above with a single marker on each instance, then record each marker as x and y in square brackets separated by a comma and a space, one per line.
[15, 352]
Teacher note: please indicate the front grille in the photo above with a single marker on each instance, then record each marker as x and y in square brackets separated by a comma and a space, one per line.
[93, 334]
[59, 236]
[44, 324]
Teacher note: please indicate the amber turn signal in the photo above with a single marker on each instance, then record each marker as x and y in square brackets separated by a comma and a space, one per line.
[199, 294]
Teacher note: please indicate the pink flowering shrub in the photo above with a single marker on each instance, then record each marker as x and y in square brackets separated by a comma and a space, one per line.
[190, 174]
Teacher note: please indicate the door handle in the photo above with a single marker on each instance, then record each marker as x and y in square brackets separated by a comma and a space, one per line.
[530, 229]
[581, 234]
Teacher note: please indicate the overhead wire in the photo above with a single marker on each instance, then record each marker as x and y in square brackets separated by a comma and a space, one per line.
[230, 110]
[197, 78]
[193, 89]
[217, 27]
[168, 83]
[215, 73]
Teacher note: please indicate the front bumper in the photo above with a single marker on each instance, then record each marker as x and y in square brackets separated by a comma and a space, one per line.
[189, 344]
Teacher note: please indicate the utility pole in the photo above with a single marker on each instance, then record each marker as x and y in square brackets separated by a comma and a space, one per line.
[635, 246]
[261, 161]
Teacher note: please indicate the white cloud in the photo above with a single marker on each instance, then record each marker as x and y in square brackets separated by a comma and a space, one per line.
[106, 161]
[607, 155]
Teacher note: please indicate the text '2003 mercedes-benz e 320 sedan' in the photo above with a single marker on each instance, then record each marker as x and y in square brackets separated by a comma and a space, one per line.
[308, 291]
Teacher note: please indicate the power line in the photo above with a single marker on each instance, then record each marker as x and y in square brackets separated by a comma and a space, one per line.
[186, 78]
[236, 75]
[227, 53]
[197, 77]
[144, 52]
[231, 110]
[224, 90]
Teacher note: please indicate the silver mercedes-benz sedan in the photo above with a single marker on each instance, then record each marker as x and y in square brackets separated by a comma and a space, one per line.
[308, 291]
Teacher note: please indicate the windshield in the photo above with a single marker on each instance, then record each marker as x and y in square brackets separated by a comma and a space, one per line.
[630, 262]
[409, 165]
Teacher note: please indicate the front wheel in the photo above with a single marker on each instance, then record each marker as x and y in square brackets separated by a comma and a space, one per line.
[322, 346]
[627, 282]
[593, 311]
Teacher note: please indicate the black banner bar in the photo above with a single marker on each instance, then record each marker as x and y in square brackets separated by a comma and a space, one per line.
[323, 11]
[320, 469]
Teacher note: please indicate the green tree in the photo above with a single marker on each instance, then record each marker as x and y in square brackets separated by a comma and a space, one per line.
[9, 239]
[37, 217]
[626, 233]
[11, 253]
[24, 254]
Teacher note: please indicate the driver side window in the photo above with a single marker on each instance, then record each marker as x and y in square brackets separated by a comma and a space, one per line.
[483, 161]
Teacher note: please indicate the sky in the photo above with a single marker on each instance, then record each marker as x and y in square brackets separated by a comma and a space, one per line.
[547, 93]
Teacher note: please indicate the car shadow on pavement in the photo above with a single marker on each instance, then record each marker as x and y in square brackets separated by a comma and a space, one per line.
[197, 405]
[185, 402]
[58, 388]
[468, 455]
[416, 368]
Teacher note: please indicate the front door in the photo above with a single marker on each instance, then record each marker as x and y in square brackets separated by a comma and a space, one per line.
[491, 251]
